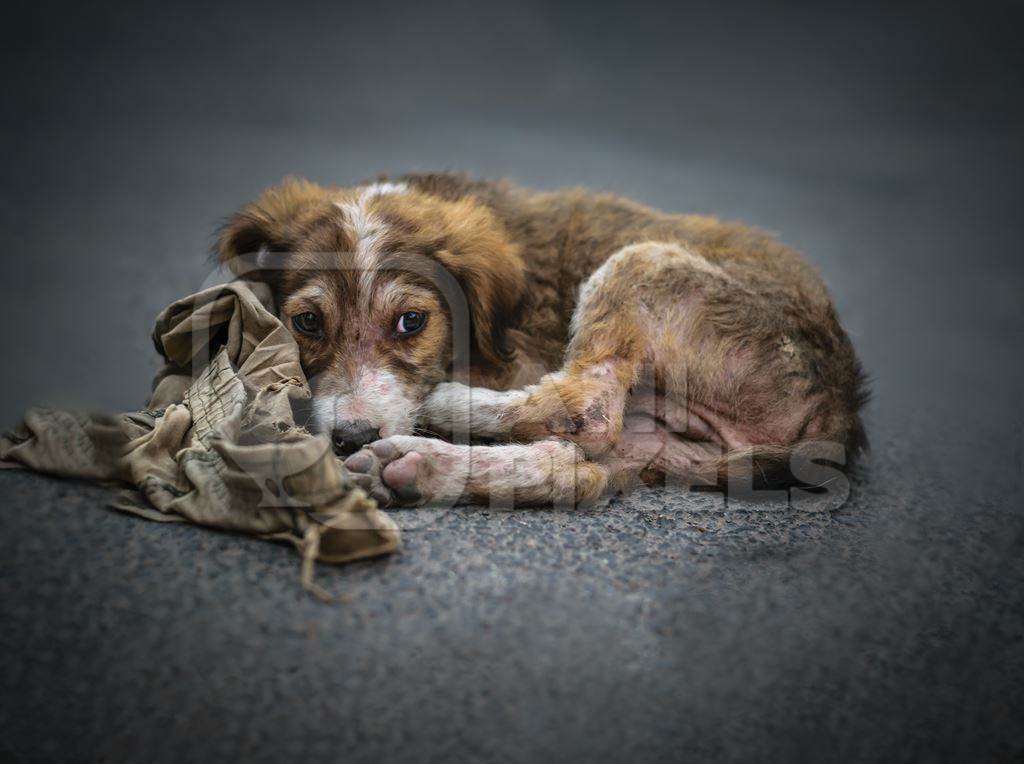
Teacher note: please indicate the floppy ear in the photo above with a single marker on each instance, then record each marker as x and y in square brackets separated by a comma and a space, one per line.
[268, 225]
[491, 273]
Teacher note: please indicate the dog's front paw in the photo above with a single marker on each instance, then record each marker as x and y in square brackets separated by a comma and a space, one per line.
[395, 472]
[364, 468]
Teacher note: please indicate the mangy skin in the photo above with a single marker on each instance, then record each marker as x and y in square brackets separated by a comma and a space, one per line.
[682, 345]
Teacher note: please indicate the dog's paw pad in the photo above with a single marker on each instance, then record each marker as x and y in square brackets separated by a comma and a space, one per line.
[365, 469]
[361, 462]
[384, 450]
[401, 476]
[389, 474]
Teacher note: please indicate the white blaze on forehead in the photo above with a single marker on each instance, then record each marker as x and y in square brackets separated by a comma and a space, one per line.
[379, 189]
[367, 230]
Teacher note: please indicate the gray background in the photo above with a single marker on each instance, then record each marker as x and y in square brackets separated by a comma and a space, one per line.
[884, 143]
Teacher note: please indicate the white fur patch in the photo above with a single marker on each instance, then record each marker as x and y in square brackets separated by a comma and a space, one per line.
[367, 229]
[376, 396]
[473, 411]
[379, 189]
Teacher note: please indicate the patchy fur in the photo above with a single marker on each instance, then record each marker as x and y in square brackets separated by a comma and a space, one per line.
[653, 343]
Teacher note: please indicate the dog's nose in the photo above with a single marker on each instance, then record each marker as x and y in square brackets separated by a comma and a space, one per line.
[349, 437]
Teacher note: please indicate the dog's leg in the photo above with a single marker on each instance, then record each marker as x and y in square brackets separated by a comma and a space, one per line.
[649, 449]
[583, 402]
[664, 332]
[455, 410]
[406, 470]
[634, 310]
[411, 471]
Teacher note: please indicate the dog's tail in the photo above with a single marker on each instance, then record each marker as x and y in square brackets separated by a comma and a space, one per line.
[808, 464]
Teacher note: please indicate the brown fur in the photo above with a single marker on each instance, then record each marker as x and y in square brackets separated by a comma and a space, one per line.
[717, 320]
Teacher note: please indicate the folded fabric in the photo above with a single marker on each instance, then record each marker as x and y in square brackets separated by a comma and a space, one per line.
[218, 444]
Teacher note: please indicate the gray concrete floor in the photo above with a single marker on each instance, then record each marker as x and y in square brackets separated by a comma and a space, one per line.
[884, 144]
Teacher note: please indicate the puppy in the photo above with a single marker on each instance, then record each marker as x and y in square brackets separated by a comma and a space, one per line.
[565, 344]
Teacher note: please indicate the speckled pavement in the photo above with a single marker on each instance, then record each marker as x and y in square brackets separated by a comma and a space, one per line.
[885, 144]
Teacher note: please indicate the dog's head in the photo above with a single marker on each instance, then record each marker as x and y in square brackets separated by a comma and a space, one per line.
[386, 289]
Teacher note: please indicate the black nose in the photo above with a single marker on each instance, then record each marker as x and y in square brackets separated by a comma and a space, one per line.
[349, 437]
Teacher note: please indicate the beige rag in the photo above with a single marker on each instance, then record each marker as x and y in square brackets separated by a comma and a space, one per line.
[218, 444]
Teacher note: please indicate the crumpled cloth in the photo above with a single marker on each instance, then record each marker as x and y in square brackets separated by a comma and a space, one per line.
[218, 444]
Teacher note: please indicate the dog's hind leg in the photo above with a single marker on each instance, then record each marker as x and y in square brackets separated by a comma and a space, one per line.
[729, 362]
[634, 311]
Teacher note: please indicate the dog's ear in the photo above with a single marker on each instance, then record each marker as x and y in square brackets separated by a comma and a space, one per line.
[491, 273]
[248, 239]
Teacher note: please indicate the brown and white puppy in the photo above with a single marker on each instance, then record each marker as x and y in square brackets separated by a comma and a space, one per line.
[591, 342]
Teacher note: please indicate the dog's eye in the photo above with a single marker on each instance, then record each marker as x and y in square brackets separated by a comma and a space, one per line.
[410, 323]
[308, 324]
